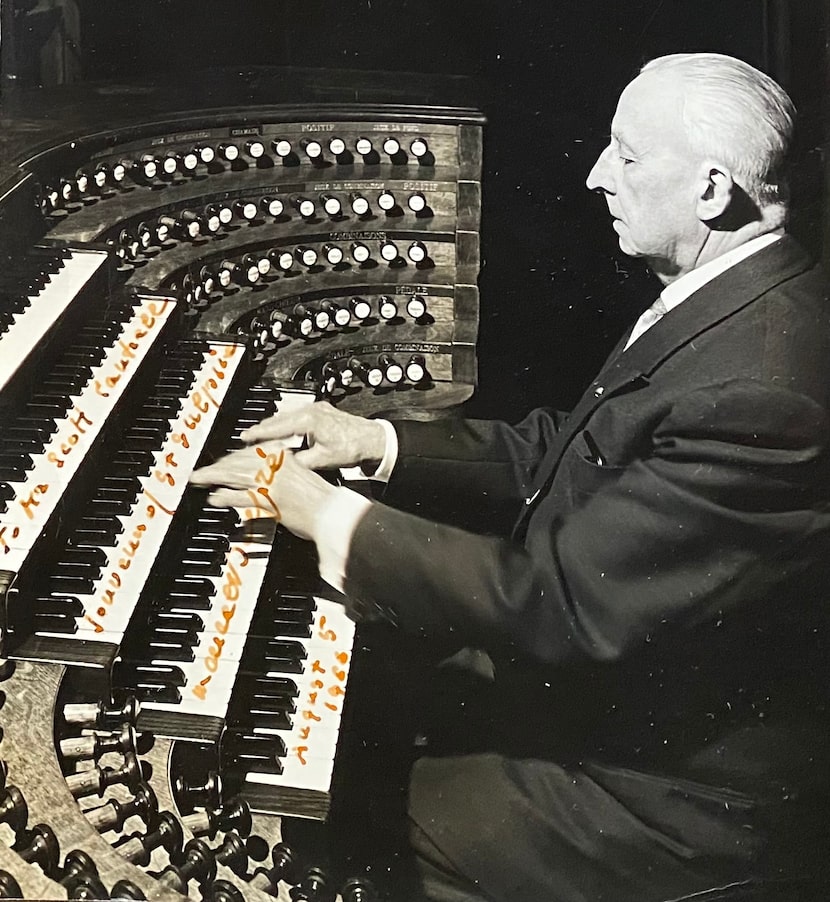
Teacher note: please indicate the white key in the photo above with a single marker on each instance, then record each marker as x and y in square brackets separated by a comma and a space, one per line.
[35, 499]
[29, 327]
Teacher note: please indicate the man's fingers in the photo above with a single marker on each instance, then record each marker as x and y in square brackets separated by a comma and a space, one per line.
[222, 473]
[205, 476]
[249, 502]
[317, 457]
[229, 498]
[235, 470]
[290, 425]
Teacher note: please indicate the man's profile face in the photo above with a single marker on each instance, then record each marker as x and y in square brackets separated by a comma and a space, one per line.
[648, 173]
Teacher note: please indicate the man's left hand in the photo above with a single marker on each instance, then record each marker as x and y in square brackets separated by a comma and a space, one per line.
[264, 480]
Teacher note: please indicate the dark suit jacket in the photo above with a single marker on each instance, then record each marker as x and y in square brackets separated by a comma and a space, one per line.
[659, 616]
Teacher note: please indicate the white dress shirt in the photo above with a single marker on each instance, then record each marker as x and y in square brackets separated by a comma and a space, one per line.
[338, 519]
[676, 292]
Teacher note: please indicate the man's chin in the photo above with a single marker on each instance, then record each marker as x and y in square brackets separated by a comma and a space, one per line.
[622, 234]
[627, 248]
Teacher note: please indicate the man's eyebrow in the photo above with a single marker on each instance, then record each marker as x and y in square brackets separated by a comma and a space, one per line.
[621, 141]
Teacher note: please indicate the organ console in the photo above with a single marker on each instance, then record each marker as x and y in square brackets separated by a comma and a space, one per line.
[175, 677]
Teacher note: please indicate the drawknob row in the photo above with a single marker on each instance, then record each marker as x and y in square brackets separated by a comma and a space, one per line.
[149, 167]
[308, 320]
[251, 268]
[189, 224]
[316, 150]
[386, 370]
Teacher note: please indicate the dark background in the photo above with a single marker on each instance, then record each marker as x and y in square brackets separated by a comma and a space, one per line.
[555, 291]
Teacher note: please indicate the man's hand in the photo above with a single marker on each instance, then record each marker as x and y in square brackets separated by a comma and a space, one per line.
[266, 481]
[334, 438]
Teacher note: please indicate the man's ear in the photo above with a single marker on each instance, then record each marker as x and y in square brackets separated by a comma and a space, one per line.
[716, 191]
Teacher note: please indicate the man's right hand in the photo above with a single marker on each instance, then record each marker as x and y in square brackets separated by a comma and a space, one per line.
[334, 438]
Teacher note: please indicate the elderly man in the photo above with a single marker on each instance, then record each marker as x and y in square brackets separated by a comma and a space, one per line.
[659, 721]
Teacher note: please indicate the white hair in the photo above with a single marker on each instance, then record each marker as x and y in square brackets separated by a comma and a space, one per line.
[738, 115]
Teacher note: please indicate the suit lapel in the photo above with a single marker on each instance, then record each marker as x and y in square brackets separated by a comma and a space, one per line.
[714, 302]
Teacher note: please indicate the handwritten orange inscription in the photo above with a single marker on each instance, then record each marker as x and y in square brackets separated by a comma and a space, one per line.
[264, 504]
[79, 420]
[326, 691]
[6, 536]
[231, 585]
[153, 506]
[202, 398]
[128, 550]
[128, 347]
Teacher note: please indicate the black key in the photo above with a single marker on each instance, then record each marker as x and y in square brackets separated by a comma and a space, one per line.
[181, 601]
[271, 704]
[98, 506]
[153, 692]
[250, 684]
[290, 628]
[54, 623]
[116, 493]
[176, 620]
[11, 473]
[67, 605]
[194, 585]
[90, 555]
[285, 657]
[159, 650]
[270, 720]
[83, 569]
[16, 459]
[27, 429]
[200, 567]
[80, 585]
[252, 752]
[24, 444]
[129, 673]
[94, 538]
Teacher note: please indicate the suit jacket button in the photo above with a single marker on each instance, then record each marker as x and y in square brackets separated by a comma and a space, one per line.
[599, 391]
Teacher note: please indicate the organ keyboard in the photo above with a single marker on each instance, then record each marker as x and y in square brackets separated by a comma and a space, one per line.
[186, 674]
[131, 507]
[61, 420]
[27, 317]
[253, 259]
[299, 706]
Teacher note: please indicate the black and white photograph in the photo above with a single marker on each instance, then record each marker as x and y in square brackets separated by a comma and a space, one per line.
[415, 450]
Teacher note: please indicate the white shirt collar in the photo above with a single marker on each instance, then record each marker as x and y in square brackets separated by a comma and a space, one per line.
[687, 285]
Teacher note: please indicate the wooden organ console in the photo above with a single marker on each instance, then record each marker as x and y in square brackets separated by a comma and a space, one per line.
[173, 677]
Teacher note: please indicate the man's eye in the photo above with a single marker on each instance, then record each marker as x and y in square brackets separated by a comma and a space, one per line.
[626, 161]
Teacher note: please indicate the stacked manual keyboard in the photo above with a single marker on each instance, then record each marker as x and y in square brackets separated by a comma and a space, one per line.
[113, 562]
[82, 590]
[165, 666]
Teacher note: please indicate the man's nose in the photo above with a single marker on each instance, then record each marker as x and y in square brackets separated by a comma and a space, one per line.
[600, 178]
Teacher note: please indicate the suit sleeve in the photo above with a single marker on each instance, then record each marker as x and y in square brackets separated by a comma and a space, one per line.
[474, 473]
[727, 499]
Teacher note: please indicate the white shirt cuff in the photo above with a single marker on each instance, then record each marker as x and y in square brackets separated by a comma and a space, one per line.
[387, 464]
[390, 457]
[336, 524]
